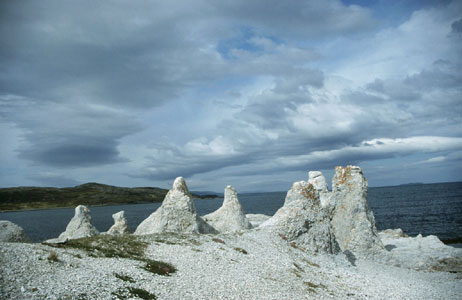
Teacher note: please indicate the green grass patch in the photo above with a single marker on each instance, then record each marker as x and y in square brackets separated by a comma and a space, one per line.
[173, 238]
[159, 267]
[119, 246]
[123, 246]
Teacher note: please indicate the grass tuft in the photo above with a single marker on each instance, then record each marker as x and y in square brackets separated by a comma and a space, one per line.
[124, 278]
[240, 250]
[217, 240]
[53, 257]
[119, 246]
[143, 294]
[159, 267]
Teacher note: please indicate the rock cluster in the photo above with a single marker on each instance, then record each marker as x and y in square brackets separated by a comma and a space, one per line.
[120, 224]
[323, 221]
[80, 226]
[176, 214]
[230, 216]
[12, 233]
[303, 220]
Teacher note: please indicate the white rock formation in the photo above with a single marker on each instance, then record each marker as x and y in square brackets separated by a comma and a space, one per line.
[420, 253]
[257, 219]
[176, 214]
[120, 224]
[352, 221]
[230, 216]
[303, 220]
[319, 183]
[12, 233]
[80, 226]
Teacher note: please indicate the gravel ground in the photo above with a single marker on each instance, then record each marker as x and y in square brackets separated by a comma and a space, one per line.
[249, 265]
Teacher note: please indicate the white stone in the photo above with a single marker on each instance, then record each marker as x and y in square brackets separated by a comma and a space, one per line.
[176, 214]
[352, 221]
[257, 219]
[12, 233]
[303, 221]
[80, 226]
[120, 224]
[420, 253]
[230, 216]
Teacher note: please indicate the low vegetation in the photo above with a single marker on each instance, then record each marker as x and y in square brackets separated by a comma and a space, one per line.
[123, 246]
[124, 277]
[132, 292]
[243, 251]
[53, 257]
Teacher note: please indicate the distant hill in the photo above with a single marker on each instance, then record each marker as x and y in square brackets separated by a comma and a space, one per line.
[22, 198]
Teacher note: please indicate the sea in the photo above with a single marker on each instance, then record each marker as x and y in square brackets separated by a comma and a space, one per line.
[427, 209]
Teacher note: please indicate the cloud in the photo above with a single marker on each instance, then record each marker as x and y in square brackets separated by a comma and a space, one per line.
[67, 135]
[53, 180]
[153, 90]
[457, 26]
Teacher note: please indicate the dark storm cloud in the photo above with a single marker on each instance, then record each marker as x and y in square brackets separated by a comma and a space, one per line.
[457, 26]
[67, 135]
[64, 50]
[71, 154]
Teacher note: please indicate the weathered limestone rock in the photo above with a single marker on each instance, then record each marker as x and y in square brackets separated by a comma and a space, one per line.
[12, 233]
[230, 216]
[120, 224]
[177, 214]
[257, 219]
[420, 253]
[392, 233]
[352, 221]
[319, 183]
[80, 226]
[303, 220]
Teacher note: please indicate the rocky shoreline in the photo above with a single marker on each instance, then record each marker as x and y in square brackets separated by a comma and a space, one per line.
[319, 245]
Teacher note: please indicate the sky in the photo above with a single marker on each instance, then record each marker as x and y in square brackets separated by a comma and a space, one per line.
[252, 94]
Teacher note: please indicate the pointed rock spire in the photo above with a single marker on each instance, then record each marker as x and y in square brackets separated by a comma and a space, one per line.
[120, 224]
[352, 220]
[230, 217]
[176, 214]
[80, 226]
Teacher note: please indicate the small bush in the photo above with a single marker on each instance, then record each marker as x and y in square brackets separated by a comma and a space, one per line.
[240, 250]
[217, 240]
[124, 278]
[143, 294]
[159, 267]
[53, 257]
